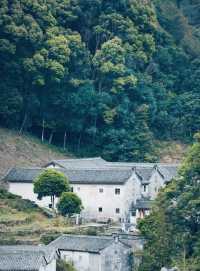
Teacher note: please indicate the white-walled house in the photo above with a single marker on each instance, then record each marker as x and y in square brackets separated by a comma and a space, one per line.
[107, 190]
[95, 253]
[26, 258]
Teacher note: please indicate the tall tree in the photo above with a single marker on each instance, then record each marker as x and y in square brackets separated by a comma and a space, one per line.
[176, 214]
[51, 183]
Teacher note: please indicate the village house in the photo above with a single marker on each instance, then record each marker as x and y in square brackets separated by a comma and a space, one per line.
[27, 258]
[97, 253]
[109, 191]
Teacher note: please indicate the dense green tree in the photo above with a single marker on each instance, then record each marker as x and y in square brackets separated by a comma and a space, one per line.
[173, 228]
[69, 204]
[51, 183]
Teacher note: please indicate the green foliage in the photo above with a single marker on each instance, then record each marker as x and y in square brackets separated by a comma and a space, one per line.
[51, 183]
[80, 73]
[61, 265]
[48, 238]
[16, 202]
[69, 204]
[173, 228]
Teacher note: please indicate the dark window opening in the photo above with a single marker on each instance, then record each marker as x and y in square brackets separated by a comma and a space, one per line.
[117, 191]
[100, 209]
[117, 210]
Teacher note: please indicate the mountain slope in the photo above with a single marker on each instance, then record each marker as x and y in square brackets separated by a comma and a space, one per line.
[24, 150]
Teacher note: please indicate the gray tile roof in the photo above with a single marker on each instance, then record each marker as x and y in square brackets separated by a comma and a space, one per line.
[97, 171]
[21, 261]
[144, 173]
[22, 258]
[95, 176]
[86, 243]
[168, 171]
[143, 203]
[22, 174]
[145, 170]
[75, 176]
[94, 162]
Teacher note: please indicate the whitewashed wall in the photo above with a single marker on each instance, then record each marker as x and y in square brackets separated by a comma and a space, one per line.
[116, 257]
[25, 190]
[82, 261]
[156, 183]
[93, 199]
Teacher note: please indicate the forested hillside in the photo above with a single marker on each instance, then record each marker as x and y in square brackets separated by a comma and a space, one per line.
[111, 76]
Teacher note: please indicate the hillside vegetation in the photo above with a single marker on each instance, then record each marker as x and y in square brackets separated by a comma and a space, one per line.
[24, 150]
[172, 230]
[108, 77]
[22, 222]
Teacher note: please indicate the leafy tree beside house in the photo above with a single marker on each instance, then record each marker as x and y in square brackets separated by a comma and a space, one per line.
[173, 228]
[51, 183]
[69, 204]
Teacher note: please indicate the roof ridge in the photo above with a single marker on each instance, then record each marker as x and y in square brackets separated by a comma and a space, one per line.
[97, 168]
[27, 168]
[86, 158]
[87, 236]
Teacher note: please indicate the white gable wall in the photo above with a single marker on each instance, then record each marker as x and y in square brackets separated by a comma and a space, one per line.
[132, 193]
[82, 261]
[155, 183]
[137, 190]
[116, 257]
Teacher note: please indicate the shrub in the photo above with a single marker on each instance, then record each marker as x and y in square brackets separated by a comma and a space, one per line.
[48, 238]
[63, 266]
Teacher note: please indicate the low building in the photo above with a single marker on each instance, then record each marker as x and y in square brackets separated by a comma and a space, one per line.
[95, 253]
[27, 258]
[108, 190]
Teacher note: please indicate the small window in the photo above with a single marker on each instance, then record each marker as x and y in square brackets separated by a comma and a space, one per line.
[78, 189]
[117, 191]
[117, 210]
[100, 190]
[100, 209]
[145, 187]
[133, 213]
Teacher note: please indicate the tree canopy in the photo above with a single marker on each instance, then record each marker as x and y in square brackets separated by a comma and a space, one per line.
[173, 228]
[102, 77]
[51, 183]
[69, 204]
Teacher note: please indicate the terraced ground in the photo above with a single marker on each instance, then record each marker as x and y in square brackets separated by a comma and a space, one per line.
[22, 222]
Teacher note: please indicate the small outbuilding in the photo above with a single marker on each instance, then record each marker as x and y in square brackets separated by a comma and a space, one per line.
[95, 253]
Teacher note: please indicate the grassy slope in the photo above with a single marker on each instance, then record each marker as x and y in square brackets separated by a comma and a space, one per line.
[23, 223]
[24, 150]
